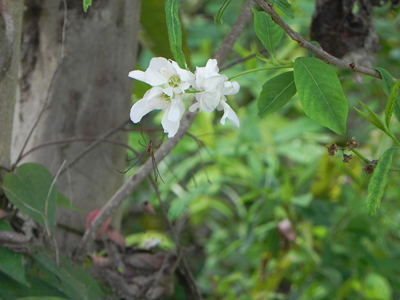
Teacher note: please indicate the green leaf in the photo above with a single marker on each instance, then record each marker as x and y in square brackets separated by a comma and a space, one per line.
[41, 298]
[180, 204]
[155, 34]
[284, 6]
[321, 94]
[269, 33]
[73, 281]
[11, 290]
[372, 117]
[377, 287]
[64, 202]
[11, 264]
[378, 181]
[221, 11]
[387, 86]
[175, 31]
[155, 25]
[275, 93]
[30, 189]
[86, 4]
[390, 105]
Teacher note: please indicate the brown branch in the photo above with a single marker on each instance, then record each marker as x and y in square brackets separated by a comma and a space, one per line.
[133, 182]
[71, 140]
[317, 50]
[11, 237]
[236, 30]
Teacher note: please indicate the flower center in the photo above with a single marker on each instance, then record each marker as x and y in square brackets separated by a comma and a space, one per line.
[174, 81]
[166, 97]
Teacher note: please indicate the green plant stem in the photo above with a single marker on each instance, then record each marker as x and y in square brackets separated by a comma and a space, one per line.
[368, 161]
[262, 69]
[361, 156]
[393, 138]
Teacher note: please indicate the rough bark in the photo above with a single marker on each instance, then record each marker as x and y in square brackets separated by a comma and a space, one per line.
[82, 82]
[339, 30]
[10, 37]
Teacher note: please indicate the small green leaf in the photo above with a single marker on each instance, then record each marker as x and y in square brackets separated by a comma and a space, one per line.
[221, 11]
[377, 287]
[390, 105]
[269, 33]
[74, 282]
[11, 264]
[387, 85]
[372, 117]
[175, 31]
[284, 6]
[86, 4]
[275, 93]
[321, 94]
[30, 189]
[366, 116]
[378, 181]
[180, 204]
[64, 202]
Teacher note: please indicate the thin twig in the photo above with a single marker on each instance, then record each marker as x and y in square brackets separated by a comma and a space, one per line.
[46, 103]
[131, 184]
[64, 29]
[46, 210]
[268, 8]
[199, 145]
[63, 141]
[94, 144]
[242, 60]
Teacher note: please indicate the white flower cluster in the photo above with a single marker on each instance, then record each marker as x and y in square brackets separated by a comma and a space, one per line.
[170, 82]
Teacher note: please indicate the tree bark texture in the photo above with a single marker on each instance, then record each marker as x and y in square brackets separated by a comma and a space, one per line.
[76, 65]
[10, 37]
[340, 30]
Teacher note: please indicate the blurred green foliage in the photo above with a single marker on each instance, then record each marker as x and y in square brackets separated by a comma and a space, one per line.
[236, 187]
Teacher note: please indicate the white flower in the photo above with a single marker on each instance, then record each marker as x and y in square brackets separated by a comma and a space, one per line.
[228, 113]
[169, 84]
[166, 74]
[213, 87]
[156, 99]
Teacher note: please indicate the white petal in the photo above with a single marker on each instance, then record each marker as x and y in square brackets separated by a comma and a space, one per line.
[170, 127]
[229, 113]
[158, 72]
[138, 75]
[212, 66]
[150, 77]
[230, 88]
[153, 99]
[208, 101]
[194, 107]
[176, 111]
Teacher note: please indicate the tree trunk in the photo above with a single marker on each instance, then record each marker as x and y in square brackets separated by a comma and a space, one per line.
[75, 65]
[10, 38]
